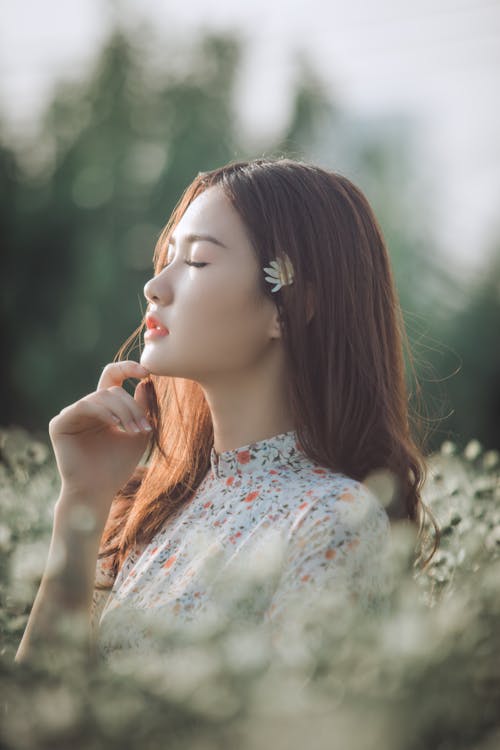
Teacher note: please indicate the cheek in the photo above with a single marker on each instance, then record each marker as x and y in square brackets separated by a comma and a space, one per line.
[229, 324]
[221, 300]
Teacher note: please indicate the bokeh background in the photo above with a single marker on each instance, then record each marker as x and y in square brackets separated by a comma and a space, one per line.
[109, 109]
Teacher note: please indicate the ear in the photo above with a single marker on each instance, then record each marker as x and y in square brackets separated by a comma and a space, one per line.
[275, 327]
[275, 332]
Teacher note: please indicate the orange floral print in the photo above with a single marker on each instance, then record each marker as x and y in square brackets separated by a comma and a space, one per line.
[347, 497]
[266, 487]
[251, 496]
[243, 457]
[169, 562]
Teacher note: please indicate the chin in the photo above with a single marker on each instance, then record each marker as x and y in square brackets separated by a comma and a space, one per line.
[155, 365]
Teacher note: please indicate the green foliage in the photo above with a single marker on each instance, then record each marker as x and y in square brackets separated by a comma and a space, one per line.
[421, 674]
[472, 338]
[123, 146]
[82, 207]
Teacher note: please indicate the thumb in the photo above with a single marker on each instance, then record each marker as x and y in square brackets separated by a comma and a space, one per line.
[141, 394]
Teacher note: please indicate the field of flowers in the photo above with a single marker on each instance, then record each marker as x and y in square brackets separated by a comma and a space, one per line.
[423, 674]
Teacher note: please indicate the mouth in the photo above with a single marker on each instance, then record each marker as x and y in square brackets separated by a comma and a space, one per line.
[153, 324]
[155, 333]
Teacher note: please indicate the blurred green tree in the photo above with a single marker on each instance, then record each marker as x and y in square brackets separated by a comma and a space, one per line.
[81, 212]
[473, 336]
[124, 147]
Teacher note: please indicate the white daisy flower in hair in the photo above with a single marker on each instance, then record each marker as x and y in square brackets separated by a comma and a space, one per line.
[280, 273]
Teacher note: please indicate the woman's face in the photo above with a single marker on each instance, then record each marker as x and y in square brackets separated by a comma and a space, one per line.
[219, 322]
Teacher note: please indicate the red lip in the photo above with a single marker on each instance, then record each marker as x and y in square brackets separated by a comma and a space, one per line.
[152, 322]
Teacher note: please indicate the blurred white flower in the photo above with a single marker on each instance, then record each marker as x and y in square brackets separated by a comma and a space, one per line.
[448, 448]
[5, 536]
[472, 450]
[491, 459]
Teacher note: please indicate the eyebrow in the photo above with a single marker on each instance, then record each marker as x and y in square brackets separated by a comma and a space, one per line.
[198, 238]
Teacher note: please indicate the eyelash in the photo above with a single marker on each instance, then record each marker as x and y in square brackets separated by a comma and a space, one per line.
[190, 263]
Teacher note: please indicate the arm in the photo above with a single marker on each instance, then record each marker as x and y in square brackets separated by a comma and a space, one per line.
[64, 598]
[336, 553]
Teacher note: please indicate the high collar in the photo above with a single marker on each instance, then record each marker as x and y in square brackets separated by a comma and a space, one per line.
[259, 456]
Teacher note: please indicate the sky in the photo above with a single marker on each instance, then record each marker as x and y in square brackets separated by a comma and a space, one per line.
[436, 60]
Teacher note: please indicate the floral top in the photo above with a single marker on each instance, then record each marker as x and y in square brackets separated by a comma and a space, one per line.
[266, 527]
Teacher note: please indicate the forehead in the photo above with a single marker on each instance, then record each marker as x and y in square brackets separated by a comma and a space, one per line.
[211, 212]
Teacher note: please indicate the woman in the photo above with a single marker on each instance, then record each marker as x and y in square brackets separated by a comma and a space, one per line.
[272, 377]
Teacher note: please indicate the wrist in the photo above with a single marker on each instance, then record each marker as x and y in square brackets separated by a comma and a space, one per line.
[74, 518]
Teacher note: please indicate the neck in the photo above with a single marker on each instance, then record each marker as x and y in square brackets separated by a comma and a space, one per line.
[247, 410]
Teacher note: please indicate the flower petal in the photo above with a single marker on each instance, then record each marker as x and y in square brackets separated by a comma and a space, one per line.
[272, 272]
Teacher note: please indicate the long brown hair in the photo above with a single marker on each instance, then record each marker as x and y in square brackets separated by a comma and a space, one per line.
[345, 363]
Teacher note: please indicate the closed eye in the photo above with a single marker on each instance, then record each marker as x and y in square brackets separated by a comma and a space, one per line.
[189, 263]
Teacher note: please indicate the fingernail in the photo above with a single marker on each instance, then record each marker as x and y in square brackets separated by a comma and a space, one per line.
[145, 424]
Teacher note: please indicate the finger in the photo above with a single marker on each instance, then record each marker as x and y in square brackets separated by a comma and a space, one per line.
[140, 396]
[116, 395]
[115, 373]
[120, 407]
[118, 411]
[84, 408]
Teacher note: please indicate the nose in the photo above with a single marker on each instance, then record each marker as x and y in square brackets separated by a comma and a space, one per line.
[155, 290]
[148, 291]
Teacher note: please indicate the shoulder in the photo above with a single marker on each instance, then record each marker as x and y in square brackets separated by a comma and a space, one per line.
[336, 552]
[345, 534]
[343, 530]
[341, 505]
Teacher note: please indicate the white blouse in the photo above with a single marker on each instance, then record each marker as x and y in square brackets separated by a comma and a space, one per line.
[267, 529]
